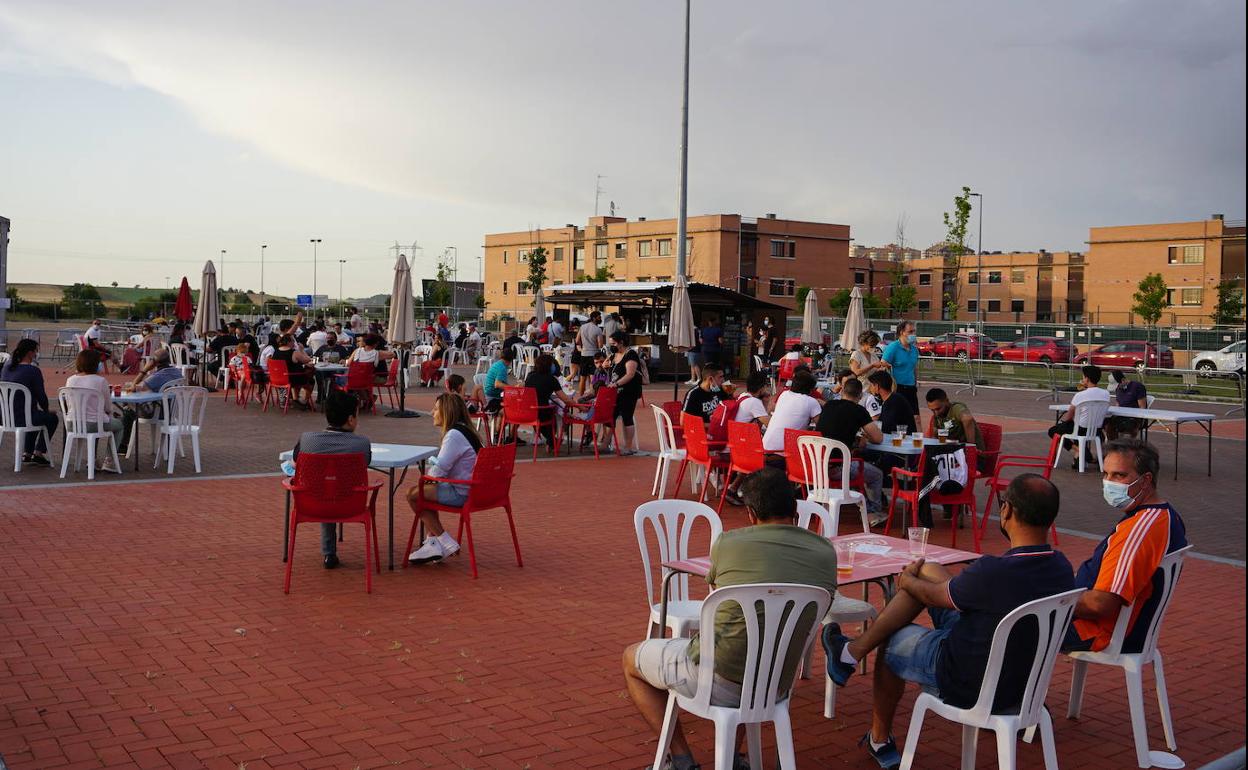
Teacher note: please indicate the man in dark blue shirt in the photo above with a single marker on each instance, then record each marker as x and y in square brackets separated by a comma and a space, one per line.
[949, 659]
[712, 341]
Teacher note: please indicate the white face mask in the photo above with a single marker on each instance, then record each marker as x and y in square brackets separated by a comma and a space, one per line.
[1118, 494]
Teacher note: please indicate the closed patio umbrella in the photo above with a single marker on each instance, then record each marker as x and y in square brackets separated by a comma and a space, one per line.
[402, 328]
[208, 314]
[855, 321]
[680, 331]
[810, 320]
[539, 306]
[183, 309]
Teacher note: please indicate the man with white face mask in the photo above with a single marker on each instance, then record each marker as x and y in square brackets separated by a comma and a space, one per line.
[1122, 568]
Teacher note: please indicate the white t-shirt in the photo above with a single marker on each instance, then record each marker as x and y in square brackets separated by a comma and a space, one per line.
[456, 458]
[317, 339]
[1086, 395]
[97, 383]
[751, 408]
[793, 410]
[364, 355]
[265, 355]
[92, 333]
[555, 331]
[357, 323]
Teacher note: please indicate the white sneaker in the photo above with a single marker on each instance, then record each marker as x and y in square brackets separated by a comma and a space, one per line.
[430, 550]
[449, 546]
[107, 466]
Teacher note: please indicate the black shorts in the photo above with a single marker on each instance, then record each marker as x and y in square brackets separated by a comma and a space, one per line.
[625, 406]
[587, 364]
[911, 394]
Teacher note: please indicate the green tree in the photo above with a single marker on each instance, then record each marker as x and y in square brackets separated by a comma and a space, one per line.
[537, 269]
[800, 295]
[114, 284]
[480, 302]
[1150, 298]
[81, 300]
[902, 297]
[600, 275]
[11, 293]
[440, 291]
[1230, 306]
[155, 303]
[955, 237]
[872, 305]
[951, 307]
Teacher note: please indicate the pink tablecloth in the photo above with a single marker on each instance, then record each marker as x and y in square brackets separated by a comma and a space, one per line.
[867, 566]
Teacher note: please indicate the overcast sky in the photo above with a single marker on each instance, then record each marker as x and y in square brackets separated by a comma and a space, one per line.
[138, 139]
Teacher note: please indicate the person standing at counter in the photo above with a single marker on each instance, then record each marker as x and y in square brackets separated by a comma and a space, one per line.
[902, 356]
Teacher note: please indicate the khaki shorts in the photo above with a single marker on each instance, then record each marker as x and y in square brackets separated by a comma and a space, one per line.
[665, 664]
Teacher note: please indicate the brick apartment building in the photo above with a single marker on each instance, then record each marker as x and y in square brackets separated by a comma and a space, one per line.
[766, 257]
[1192, 257]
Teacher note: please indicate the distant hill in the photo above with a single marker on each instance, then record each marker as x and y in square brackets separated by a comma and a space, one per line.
[116, 297]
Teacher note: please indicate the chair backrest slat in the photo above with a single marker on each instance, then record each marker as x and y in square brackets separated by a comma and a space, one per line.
[1170, 568]
[184, 406]
[491, 477]
[77, 402]
[745, 446]
[818, 453]
[9, 409]
[332, 484]
[673, 523]
[695, 438]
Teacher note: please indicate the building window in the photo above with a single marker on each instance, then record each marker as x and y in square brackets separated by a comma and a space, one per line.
[784, 249]
[994, 306]
[662, 278]
[1018, 275]
[925, 305]
[1191, 296]
[621, 250]
[665, 247]
[781, 287]
[860, 277]
[1016, 306]
[643, 248]
[504, 287]
[504, 256]
[1186, 255]
[994, 276]
[558, 253]
[643, 278]
[600, 255]
[972, 277]
[578, 258]
[972, 305]
[522, 255]
[522, 287]
[925, 279]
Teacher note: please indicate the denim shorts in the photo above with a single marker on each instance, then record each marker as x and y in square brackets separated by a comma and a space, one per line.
[912, 651]
[451, 494]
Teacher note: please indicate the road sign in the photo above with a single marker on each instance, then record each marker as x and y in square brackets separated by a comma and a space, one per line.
[304, 300]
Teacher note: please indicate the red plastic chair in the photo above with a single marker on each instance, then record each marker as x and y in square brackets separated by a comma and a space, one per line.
[489, 487]
[991, 434]
[334, 489]
[965, 498]
[745, 454]
[391, 385]
[698, 452]
[279, 380]
[997, 482]
[604, 414]
[246, 385]
[360, 380]
[520, 409]
[673, 409]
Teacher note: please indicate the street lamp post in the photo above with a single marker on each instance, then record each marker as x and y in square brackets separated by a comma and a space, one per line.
[263, 246]
[221, 275]
[682, 222]
[341, 262]
[314, 242]
[979, 264]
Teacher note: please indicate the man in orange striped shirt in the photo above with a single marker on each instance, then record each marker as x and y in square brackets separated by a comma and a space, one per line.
[1123, 568]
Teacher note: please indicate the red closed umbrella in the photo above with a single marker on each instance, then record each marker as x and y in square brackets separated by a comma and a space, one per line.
[184, 310]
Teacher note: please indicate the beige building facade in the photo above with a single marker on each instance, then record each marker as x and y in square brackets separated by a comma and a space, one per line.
[767, 257]
[1036, 286]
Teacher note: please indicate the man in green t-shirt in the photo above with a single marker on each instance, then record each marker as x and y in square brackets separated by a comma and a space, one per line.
[953, 416]
[771, 550]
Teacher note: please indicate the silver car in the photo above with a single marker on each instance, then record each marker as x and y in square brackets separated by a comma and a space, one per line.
[1228, 359]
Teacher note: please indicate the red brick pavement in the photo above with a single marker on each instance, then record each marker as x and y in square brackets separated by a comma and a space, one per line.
[144, 626]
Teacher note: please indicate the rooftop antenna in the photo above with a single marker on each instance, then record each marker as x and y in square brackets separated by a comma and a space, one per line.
[598, 191]
[612, 208]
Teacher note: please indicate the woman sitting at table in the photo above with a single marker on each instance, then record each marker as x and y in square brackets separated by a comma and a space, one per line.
[431, 370]
[456, 459]
[545, 380]
[298, 364]
[87, 366]
[372, 353]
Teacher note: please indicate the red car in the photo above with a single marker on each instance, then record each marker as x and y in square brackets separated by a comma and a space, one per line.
[1129, 353]
[1047, 350]
[958, 345]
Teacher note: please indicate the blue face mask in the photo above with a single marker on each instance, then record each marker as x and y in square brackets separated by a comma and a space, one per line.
[912, 338]
[1117, 494]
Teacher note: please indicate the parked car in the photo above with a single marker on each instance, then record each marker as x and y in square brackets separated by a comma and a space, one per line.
[1129, 353]
[960, 345]
[1228, 359]
[1048, 350]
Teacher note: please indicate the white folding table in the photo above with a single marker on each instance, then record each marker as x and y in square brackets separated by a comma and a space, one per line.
[1150, 416]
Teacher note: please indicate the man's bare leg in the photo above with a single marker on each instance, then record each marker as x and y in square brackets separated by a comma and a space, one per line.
[651, 702]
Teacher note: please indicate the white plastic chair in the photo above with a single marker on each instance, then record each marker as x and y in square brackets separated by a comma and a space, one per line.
[183, 415]
[180, 356]
[1052, 616]
[1132, 665]
[668, 453]
[1092, 415]
[75, 404]
[526, 359]
[772, 613]
[817, 454]
[843, 609]
[453, 356]
[8, 421]
[673, 522]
